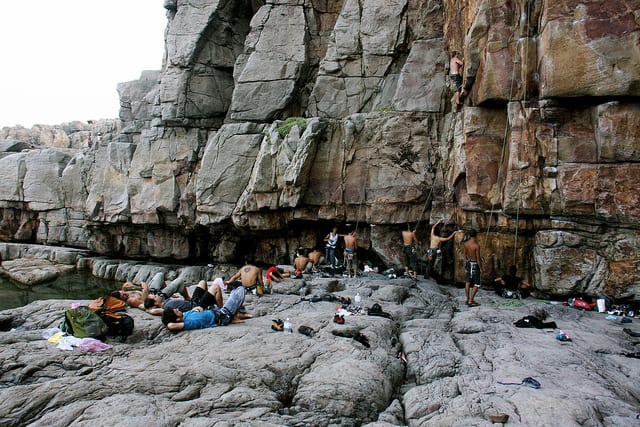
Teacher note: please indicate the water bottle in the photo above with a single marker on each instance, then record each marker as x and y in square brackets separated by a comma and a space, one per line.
[287, 326]
[357, 299]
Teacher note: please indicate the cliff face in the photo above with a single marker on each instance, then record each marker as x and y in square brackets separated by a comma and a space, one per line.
[542, 159]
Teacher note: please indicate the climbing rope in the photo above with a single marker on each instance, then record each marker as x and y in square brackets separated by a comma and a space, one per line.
[506, 131]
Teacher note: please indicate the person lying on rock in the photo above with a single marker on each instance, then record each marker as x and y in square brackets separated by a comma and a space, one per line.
[200, 318]
[132, 298]
[158, 286]
[248, 276]
[135, 296]
[205, 295]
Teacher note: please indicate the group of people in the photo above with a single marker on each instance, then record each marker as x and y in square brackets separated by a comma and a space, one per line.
[470, 247]
[309, 262]
[203, 308]
[409, 250]
[511, 282]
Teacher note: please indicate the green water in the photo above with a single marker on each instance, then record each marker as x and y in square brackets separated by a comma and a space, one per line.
[79, 285]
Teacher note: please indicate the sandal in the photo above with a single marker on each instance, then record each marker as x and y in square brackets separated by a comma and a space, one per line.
[473, 304]
[277, 325]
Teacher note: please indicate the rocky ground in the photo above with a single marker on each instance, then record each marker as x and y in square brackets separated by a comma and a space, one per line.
[250, 375]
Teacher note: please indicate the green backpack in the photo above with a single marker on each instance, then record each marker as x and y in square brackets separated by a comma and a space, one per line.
[83, 322]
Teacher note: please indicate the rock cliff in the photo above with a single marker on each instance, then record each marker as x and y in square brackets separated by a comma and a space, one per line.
[272, 120]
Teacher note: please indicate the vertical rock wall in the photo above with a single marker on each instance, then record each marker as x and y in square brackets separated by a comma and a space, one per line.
[272, 120]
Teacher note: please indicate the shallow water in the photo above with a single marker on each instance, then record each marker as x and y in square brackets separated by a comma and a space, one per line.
[77, 285]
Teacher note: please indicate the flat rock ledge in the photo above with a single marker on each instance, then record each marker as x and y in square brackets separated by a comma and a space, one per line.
[35, 264]
[249, 375]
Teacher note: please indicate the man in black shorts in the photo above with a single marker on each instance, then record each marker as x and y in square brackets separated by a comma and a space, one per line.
[454, 73]
[204, 295]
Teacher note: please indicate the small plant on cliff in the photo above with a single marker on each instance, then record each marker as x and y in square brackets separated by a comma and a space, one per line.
[284, 129]
[384, 110]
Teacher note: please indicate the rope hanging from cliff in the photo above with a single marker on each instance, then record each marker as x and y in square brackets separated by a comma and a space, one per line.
[506, 132]
[524, 101]
[427, 199]
[364, 195]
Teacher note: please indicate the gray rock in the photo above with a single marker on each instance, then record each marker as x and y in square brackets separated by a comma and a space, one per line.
[247, 373]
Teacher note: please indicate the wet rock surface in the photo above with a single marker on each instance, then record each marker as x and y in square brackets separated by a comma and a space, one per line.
[249, 374]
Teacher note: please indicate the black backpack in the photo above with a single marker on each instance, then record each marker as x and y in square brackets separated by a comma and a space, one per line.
[119, 324]
[376, 310]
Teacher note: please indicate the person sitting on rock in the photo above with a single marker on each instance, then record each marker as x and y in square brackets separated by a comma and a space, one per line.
[200, 318]
[316, 257]
[511, 284]
[248, 276]
[204, 295]
[302, 264]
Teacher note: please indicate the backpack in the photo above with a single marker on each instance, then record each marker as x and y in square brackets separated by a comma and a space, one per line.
[83, 322]
[534, 322]
[107, 304]
[376, 310]
[111, 311]
[118, 324]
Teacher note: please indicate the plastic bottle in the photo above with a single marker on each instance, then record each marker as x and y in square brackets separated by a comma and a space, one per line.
[357, 299]
[287, 326]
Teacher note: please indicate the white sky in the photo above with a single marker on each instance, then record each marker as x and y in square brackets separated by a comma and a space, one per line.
[62, 59]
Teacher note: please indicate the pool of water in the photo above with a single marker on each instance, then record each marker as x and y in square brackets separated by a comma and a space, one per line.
[77, 285]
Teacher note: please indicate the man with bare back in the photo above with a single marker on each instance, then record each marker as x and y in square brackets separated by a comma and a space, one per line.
[249, 276]
[409, 240]
[302, 264]
[316, 257]
[454, 73]
[435, 252]
[472, 266]
[350, 259]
